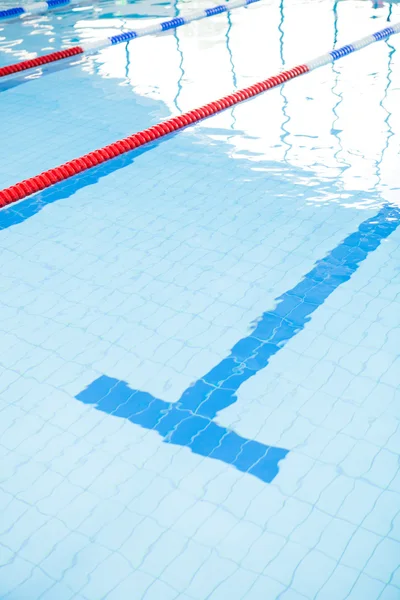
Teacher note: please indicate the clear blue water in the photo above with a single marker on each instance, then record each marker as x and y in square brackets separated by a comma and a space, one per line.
[200, 341]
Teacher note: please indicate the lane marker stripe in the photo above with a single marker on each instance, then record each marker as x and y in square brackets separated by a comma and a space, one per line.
[126, 36]
[49, 178]
[191, 421]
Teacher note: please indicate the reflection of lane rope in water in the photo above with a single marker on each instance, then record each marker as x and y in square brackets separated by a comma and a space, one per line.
[337, 132]
[285, 136]
[338, 155]
[181, 60]
[181, 69]
[127, 36]
[390, 132]
[233, 70]
[49, 178]
[228, 47]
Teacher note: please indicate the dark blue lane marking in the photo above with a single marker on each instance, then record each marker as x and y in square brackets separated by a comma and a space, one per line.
[190, 421]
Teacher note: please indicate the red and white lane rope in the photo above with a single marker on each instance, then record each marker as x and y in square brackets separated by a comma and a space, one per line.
[78, 165]
[126, 36]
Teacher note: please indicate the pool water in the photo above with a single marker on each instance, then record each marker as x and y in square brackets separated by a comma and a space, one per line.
[200, 340]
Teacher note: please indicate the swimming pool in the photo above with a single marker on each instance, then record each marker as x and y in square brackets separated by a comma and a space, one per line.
[200, 339]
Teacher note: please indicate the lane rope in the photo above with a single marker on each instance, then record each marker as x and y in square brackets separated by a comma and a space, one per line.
[49, 178]
[36, 8]
[126, 36]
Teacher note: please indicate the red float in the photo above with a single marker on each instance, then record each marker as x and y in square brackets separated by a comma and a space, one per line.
[77, 165]
[40, 60]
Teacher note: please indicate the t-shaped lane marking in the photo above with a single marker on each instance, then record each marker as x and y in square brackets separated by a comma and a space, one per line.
[190, 421]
